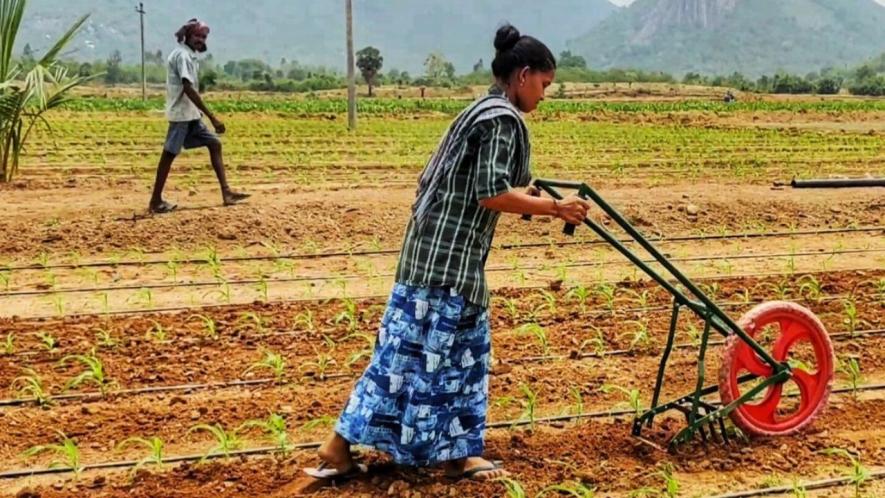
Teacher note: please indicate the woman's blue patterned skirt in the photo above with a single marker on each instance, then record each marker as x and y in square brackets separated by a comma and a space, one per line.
[423, 397]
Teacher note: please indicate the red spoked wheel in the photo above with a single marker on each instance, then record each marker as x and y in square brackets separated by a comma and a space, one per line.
[792, 334]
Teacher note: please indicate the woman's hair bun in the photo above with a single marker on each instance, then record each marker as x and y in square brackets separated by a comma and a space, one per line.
[506, 38]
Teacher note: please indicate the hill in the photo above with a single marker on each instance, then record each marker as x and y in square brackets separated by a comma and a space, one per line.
[312, 31]
[722, 36]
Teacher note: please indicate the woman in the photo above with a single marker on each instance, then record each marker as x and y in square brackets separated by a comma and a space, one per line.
[424, 396]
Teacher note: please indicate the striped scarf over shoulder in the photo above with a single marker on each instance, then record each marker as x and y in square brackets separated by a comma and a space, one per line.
[444, 160]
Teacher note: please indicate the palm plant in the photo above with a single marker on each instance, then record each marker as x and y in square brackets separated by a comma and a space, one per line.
[26, 97]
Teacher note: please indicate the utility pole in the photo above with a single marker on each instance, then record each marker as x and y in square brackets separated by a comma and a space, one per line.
[351, 76]
[140, 11]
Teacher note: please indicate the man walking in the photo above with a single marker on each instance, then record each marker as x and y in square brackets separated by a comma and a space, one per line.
[185, 110]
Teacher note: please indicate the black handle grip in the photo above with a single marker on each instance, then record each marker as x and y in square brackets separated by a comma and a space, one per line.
[569, 229]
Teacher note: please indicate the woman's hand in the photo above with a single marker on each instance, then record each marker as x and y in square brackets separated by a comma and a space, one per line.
[572, 209]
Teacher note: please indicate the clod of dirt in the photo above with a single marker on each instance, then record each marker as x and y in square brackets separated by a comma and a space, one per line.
[99, 482]
[397, 487]
[692, 210]
[27, 493]
[555, 285]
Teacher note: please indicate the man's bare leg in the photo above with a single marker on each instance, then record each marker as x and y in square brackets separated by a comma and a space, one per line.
[157, 204]
[228, 196]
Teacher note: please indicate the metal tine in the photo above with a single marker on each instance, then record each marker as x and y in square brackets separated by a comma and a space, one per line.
[724, 432]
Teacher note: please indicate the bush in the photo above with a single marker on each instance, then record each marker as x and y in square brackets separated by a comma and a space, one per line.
[828, 86]
[873, 86]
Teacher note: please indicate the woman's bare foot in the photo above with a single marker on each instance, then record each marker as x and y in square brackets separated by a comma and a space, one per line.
[475, 468]
[336, 453]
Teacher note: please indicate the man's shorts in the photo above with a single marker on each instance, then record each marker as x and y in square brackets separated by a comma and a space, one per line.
[188, 135]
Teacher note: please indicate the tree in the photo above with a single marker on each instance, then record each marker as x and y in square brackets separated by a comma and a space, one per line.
[567, 59]
[25, 98]
[85, 70]
[114, 73]
[864, 72]
[369, 62]
[478, 66]
[439, 70]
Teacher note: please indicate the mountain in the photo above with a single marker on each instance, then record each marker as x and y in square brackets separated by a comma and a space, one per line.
[722, 36]
[312, 31]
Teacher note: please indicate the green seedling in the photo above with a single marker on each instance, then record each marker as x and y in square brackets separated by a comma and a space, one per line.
[320, 365]
[223, 292]
[253, 320]
[641, 298]
[323, 421]
[305, 319]
[810, 288]
[671, 484]
[529, 404]
[154, 446]
[694, 334]
[172, 267]
[579, 294]
[8, 346]
[850, 312]
[94, 373]
[578, 405]
[261, 287]
[540, 335]
[575, 489]
[48, 342]
[607, 292]
[58, 302]
[103, 300]
[512, 308]
[549, 301]
[157, 333]
[67, 452]
[597, 342]
[640, 336]
[274, 427]
[210, 329]
[30, 385]
[6, 278]
[798, 490]
[850, 368]
[858, 475]
[634, 400]
[781, 290]
[143, 297]
[213, 262]
[368, 341]
[50, 278]
[513, 488]
[42, 259]
[271, 361]
[225, 441]
[348, 315]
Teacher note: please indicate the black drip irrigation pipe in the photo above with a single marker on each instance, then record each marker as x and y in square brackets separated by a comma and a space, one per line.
[839, 183]
[366, 297]
[16, 474]
[333, 376]
[808, 486]
[296, 256]
[495, 269]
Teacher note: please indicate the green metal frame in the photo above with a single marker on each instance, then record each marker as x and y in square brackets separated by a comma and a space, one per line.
[698, 413]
